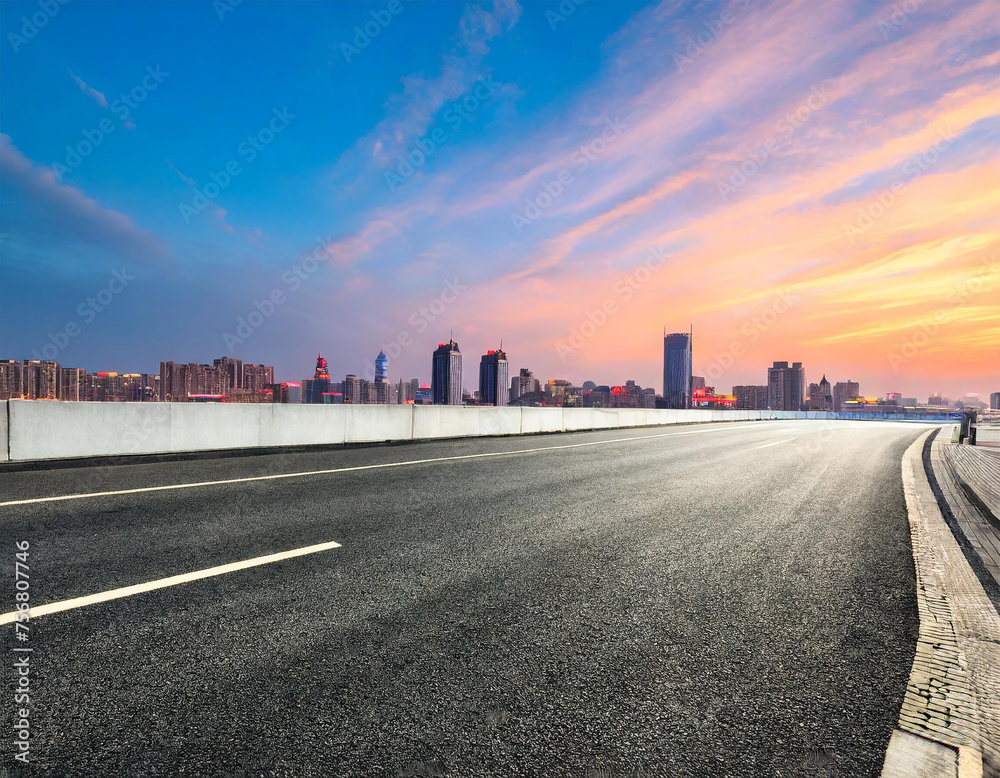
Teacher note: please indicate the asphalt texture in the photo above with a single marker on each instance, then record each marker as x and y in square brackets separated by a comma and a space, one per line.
[727, 599]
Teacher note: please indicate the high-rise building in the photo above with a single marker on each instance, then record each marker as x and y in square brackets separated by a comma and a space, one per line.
[314, 388]
[38, 379]
[786, 386]
[13, 379]
[844, 391]
[820, 396]
[995, 401]
[352, 389]
[750, 397]
[230, 374]
[257, 378]
[493, 386]
[71, 381]
[523, 383]
[381, 388]
[697, 382]
[446, 374]
[677, 353]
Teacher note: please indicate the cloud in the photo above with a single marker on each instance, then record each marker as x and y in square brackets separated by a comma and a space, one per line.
[50, 214]
[884, 104]
[98, 97]
[410, 113]
[186, 179]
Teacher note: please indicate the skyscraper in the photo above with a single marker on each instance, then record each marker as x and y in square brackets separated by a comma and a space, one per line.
[314, 388]
[786, 386]
[493, 386]
[677, 349]
[446, 374]
[381, 388]
[381, 367]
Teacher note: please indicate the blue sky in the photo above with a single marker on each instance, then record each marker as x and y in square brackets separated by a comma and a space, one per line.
[642, 108]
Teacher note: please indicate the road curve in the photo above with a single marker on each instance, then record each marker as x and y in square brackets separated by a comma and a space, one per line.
[728, 599]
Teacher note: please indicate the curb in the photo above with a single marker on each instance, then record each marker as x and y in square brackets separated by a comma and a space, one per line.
[946, 721]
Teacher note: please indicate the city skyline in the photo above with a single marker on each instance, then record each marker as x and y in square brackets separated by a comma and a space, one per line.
[837, 213]
[785, 387]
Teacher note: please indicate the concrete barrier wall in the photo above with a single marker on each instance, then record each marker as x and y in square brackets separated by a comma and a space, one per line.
[32, 430]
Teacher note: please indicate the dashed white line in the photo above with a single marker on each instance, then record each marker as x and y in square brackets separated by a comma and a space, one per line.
[162, 583]
[250, 479]
[775, 443]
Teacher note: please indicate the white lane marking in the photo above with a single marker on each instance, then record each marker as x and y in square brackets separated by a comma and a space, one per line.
[174, 580]
[773, 444]
[250, 479]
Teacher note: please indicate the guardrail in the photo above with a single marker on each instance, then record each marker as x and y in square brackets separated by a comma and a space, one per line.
[39, 430]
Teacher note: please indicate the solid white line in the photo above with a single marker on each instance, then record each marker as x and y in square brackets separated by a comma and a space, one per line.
[773, 444]
[174, 580]
[249, 479]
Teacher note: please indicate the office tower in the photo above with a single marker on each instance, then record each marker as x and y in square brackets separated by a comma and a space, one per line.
[314, 388]
[697, 382]
[995, 401]
[677, 353]
[493, 386]
[752, 397]
[844, 391]
[446, 374]
[786, 387]
[380, 390]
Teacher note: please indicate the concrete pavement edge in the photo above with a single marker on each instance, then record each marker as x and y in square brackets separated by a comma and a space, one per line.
[948, 722]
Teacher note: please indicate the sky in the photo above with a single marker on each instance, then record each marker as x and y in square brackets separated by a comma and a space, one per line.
[816, 182]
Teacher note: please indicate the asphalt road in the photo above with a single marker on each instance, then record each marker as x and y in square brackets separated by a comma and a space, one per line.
[729, 599]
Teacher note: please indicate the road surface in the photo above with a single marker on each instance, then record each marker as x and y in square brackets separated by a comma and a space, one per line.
[727, 599]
